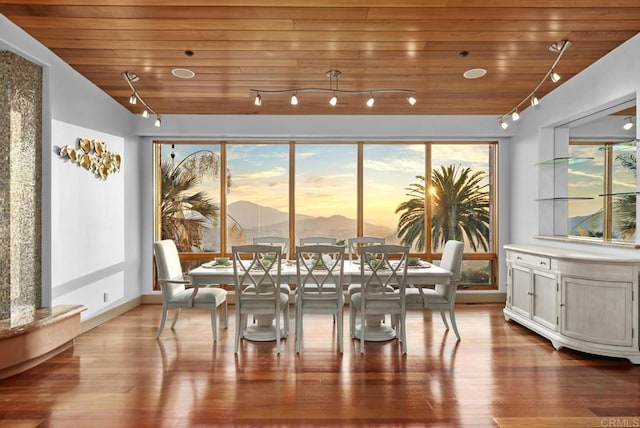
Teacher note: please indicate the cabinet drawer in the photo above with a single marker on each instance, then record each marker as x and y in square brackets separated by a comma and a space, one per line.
[540, 262]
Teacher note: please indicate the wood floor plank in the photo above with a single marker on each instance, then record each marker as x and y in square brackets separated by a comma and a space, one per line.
[500, 375]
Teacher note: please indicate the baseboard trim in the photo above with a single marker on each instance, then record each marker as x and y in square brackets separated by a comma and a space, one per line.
[112, 313]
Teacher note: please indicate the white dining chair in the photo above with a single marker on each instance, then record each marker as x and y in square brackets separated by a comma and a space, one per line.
[256, 270]
[319, 271]
[383, 271]
[176, 295]
[442, 297]
[274, 240]
[354, 244]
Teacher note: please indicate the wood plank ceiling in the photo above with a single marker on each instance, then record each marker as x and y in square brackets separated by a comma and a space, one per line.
[286, 44]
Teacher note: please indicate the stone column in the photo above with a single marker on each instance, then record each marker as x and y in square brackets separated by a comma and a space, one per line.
[20, 187]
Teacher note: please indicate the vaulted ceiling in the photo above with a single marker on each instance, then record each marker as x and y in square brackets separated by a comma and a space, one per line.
[237, 45]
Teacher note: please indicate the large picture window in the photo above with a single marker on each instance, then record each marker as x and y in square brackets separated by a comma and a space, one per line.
[213, 195]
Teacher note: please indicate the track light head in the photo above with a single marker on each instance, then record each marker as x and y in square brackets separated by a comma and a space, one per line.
[555, 77]
[258, 100]
[334, 100]
[133, 99]
[560, 46]
[535, 102]
[411, 100]
[515, 116]
[158, 122]
[502, 123]
[628, 123]
[145, 114]
[294, 100]
[371, 101]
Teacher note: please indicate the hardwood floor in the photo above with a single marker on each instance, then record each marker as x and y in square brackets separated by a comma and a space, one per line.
[500, 374]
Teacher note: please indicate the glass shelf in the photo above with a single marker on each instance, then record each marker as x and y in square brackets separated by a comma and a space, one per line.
[565, 161]
[619, 194]
[566, 198]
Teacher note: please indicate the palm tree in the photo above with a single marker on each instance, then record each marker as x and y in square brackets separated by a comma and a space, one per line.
[460, 204]
[185, 214]
[625, 205]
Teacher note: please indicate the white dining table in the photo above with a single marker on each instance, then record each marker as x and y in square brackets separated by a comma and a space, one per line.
[425, 274]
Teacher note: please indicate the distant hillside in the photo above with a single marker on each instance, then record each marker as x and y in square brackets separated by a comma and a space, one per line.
[256, 220]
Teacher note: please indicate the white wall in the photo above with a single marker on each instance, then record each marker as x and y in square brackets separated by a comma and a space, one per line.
[91, 228]
[613, 78]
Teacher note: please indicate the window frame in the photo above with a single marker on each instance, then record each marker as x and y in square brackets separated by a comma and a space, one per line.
[192, 259]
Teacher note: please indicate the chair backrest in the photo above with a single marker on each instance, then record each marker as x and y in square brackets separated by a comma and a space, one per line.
[354, 244]
[168, 267]
[274, 240]
[256, 270]
[383, 271]
[319, 271]
[311, 240]
[451, 261]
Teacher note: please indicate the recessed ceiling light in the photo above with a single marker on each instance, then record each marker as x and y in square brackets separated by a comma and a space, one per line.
[183, 73]
[474, 73]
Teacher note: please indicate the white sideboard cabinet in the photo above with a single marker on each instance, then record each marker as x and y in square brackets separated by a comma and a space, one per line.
[579, 300]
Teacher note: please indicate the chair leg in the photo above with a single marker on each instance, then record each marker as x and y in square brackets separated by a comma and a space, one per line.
[238, 327]
[278, 332]
[452, 315]
[403, 331]
[214, 322]
[339, 320]
[175, 318]
[162, 321]
[285, 320]
[444, 319]
[225, 314]
[298, 331]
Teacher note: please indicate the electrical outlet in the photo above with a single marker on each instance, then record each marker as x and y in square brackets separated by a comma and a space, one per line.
[106, 297]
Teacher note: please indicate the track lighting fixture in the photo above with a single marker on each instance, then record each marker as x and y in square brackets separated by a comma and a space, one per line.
[558, 48]
[135, 96]
[371, 101]
[628, 123]
[535, 102]
[158, 121]
[333, 89]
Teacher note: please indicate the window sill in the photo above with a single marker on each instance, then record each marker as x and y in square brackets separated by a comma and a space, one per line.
[589, 241]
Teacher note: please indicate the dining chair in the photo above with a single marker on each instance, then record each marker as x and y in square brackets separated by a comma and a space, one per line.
[176, 295]
[383, 271]
[256, 271]
[311, 240]
[319, 272]
[283, 243]
[354, 244]
[274, 240]
[442, 297]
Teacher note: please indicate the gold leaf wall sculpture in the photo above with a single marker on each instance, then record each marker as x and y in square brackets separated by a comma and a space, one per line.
[94, 156]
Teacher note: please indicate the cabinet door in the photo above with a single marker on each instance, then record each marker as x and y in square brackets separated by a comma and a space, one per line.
[597, 311]
[520, 289]
[545, 299]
